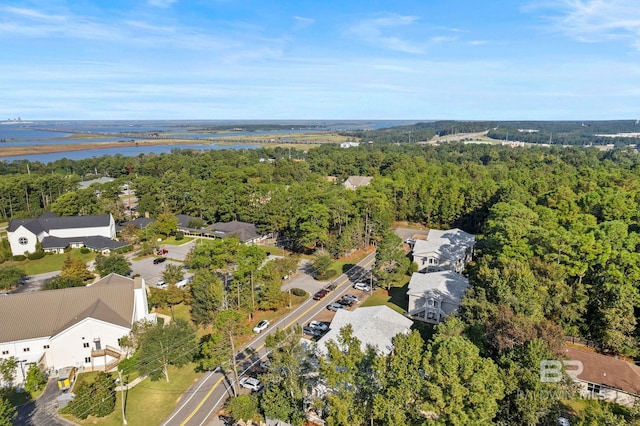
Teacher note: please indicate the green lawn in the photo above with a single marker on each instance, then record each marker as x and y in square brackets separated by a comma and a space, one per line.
[172, 241]
[51, 262]
[395, 297]
[148, 403]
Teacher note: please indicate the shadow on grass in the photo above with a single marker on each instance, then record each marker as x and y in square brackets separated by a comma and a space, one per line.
[398, 297]
[346, 267]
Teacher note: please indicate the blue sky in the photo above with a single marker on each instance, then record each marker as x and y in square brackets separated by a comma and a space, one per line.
[349, 59]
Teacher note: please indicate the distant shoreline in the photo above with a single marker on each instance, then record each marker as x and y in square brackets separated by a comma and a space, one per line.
[11, 151]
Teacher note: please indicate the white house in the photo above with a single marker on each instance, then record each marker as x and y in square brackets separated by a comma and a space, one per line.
[604, 377]
[374, 325]
[448, 250]
[74, 327]
[435, 295]
[56, 233]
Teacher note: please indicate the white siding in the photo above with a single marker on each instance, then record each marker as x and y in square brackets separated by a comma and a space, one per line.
[105, 231]
[35, 351]
[68, 346]
[14, 240]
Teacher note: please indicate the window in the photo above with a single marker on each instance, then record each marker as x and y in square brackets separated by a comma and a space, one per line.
[430, 303]
[5, 352]
[85, 345]
[23, 240]
[87, 360]
[46, 346]
[593, 388]
[25, 349]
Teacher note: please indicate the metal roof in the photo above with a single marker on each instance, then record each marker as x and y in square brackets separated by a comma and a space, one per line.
[46, 313]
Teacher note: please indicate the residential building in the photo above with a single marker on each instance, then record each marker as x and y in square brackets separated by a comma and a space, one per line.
[435, 295]
[448, 250]
[56, 233]
[355, 182]
[604, 377]
[245, 232]
[73, 327]
[374, 325]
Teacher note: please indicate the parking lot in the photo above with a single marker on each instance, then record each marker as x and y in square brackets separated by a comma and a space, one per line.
[152, 273]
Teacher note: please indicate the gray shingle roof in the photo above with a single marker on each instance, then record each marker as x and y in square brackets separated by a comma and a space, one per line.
[95, 242]
[445, 283]
[47, 313]
[50, 221]
[374, 325]
[242, 230]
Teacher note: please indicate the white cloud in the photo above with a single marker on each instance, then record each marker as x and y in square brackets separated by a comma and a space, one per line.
[302, 22]
[595, 20]
[161, 3]
[376, 31]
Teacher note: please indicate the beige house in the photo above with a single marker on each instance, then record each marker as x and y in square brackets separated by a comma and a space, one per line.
[605, 377]
[354, 182]
[73, 327]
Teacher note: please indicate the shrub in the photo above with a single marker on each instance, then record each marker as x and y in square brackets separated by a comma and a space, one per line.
[179, 235]
[243, 407]
[84, 250]
[35, 255]
[19, 258]
[298, 292]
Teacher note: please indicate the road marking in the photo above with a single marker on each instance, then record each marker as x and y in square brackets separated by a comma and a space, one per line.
[199, 406]
[315, 305]
[184, 403]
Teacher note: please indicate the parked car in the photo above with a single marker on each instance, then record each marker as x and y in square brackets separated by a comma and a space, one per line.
[353, 297]
[158, 260]
[330, 287]
[362, 286]
[160, 252]
[334, 306]
[320, 294]
[322, 326]
[310, 331]
[162, 284]
[346, 302]
[250, 383]
[261, 326]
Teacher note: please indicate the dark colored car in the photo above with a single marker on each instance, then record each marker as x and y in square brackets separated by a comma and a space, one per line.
[346, 302]
[320, 294]
[330, 287]
[159, 260]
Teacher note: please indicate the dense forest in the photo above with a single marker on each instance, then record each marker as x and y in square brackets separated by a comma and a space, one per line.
[534, 132]
[558, 230]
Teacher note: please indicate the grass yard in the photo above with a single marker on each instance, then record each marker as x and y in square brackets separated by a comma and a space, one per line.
[172, 241]
[395, 297]
[51, 262]
[148, 403]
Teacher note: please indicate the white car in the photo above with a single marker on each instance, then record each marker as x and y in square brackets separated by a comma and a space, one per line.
[353, 297]
[250, 383]
[261, 326]
[318, 325]
[362, 286]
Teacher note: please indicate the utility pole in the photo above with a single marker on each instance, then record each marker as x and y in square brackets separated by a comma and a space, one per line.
[124, 419]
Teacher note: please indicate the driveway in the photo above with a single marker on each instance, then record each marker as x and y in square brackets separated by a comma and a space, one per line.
[42, 411]
[35, 282]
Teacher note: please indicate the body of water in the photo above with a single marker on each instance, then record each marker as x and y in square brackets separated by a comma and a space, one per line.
[31, 133]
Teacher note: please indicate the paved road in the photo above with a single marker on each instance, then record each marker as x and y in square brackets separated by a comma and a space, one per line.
[35, 282]
[201, 402]
[42, 411]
